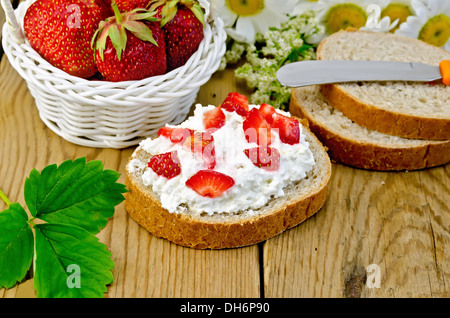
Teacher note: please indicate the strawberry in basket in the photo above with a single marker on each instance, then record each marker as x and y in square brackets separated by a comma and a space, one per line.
[130, 46]
[182, 22]
[105, 7]
[129, 5]
[61, 32]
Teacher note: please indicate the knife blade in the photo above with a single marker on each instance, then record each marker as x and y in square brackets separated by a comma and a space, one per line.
[316, 72]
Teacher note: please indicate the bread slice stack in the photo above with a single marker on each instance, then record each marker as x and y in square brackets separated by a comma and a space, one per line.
[385, 126]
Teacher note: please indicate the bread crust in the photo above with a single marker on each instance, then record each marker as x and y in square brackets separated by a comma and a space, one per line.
[371, 156]
[387, 122]
[211, 233]
[375, 118]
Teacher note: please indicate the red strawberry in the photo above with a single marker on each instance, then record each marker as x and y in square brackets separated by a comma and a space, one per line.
[175, 135]
[257, 129]
[267, 158]
[105, 7]
[288, 128]
[61, 32]
[267, 111]
[202, 144]
[130, 46]
[182, 23]
[129, 5]
[209, 183]
[166, 165]
[214, 119]
[236, 102]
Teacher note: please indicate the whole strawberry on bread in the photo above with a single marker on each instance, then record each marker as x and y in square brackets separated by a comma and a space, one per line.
[130, 46]
[182, 22]
[61, 32]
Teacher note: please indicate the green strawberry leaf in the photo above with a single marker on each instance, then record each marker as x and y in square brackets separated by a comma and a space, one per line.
[168, 12]
[144, 15]
[198, 12]
[140, 30]
[70, 263]
[76, 192]
[118, 36]
[16, 245]
[99, 39]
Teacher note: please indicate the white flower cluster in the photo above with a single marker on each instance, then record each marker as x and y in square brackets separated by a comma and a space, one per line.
[270, 51]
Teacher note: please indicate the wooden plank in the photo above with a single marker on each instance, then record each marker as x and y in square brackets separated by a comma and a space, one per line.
[397, 223]
[145, 266]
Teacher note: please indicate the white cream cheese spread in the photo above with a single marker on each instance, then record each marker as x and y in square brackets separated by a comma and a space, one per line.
[253, 187]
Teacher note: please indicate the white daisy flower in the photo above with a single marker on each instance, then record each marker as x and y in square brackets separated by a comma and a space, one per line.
[336, 15]
[431, 23]
[396, 10]
[243, 19]
[387, 15]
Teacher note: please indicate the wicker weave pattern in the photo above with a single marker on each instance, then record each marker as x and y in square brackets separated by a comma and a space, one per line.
[113, 115]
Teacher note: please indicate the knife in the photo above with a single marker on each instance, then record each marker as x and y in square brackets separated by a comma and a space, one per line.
[306, 73]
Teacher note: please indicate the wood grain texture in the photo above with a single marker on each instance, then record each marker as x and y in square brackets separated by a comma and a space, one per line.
[398, 221]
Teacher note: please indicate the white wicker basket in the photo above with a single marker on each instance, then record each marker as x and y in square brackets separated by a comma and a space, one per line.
[105, 114]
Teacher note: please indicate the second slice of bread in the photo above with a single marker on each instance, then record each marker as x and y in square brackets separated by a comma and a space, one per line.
[406, 109]
[357, 146]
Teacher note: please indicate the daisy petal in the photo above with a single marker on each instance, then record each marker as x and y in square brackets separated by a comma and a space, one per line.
[266, 19]
[245, 29]
[243, 19]
[234, 35]
[228, 17]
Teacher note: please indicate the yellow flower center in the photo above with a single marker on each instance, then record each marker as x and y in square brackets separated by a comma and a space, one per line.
[436, 31]
[345, 15]
[396, 11]
[245, 8]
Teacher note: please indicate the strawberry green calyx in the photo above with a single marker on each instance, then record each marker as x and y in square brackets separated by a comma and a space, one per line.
[115, 28]
[170, 8]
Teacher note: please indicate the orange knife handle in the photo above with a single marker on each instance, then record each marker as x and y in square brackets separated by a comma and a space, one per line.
[444, 67]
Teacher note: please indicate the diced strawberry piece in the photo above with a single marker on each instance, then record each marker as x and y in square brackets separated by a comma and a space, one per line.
[267, 158]
[165, 131]
[209, 183]
[166, 164]
[267, 111]
[175, 135]
[236, 102]
[214, 119]
[257, 129]
[202, 144]
[288, 128]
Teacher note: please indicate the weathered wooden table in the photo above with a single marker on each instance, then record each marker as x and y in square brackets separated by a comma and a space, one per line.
[378, 235]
